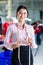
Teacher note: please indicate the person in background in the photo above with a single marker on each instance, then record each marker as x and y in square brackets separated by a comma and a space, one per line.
[38, 31]
[6, 24]
[22, 36]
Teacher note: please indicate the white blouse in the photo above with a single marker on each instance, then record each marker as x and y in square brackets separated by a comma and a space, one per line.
[15, 32]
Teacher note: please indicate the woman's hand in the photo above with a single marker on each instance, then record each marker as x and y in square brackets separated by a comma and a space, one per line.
[30, 41]
[18, 44]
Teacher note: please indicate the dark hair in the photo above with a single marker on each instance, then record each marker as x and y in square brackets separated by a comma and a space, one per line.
[39, 21]
[22, 7]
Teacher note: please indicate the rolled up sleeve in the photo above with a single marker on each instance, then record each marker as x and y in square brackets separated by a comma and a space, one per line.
[31, 34]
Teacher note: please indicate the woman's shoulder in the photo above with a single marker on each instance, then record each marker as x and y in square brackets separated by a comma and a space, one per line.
[28, 25]
[12, 26]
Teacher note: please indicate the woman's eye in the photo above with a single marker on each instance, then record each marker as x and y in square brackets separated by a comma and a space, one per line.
[19, 12]
[24, 13]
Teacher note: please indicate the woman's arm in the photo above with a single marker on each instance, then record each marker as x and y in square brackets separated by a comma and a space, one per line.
[31, 38]
[30, 41]
[7, 44]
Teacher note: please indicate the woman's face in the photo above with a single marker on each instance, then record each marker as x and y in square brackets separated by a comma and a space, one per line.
[21, 15]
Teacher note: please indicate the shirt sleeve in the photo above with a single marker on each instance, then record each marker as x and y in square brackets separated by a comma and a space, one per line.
[31, 34]
[7, 44]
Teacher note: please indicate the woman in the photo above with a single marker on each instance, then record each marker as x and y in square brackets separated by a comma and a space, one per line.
[22, 36]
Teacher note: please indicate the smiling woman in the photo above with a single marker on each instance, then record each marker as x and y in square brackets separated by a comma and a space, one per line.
[22, 36]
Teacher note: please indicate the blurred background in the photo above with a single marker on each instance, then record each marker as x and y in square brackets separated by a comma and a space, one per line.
[35, 7]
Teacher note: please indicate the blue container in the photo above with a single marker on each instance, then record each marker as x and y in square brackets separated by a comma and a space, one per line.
[5, 58]
[1, 54]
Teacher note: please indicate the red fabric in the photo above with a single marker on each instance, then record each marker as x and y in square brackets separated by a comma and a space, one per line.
[10, 41]
[5, 26]
[37, 30]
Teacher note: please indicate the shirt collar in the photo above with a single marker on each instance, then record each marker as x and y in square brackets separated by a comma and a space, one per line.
[19, 26]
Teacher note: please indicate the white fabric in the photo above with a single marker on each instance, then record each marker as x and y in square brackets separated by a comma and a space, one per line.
[15, 33]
